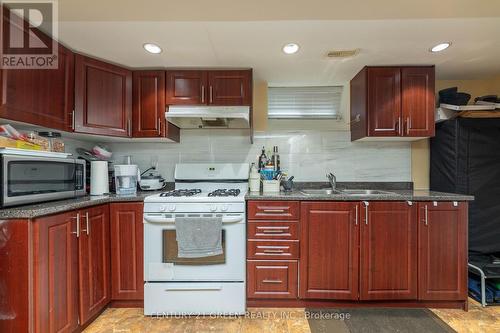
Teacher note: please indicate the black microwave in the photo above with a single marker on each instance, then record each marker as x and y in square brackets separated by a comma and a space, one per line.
[31, 179]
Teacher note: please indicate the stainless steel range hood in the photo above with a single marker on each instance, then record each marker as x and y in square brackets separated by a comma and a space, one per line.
[209, 116]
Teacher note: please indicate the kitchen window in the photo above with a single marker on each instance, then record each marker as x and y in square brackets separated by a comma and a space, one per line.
[304, 102]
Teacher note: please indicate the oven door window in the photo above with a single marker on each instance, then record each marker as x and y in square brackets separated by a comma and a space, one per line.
[170, 252]
[38, 177]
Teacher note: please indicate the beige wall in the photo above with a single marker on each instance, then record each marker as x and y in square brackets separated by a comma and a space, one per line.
[420, 152]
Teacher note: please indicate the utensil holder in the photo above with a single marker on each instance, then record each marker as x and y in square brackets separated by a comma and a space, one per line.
[270, 186]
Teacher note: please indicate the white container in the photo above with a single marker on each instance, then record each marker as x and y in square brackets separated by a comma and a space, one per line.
[126, 178]
[270, 186]
[254, 184]
[99, 181]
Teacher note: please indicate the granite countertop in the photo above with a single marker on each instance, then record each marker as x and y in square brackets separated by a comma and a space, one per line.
[53, 207]
[394, 195]
[398, 192]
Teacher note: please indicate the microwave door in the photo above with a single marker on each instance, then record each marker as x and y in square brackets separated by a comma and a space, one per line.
[34, 179]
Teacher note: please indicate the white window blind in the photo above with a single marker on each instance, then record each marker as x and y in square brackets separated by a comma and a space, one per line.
[304, 102]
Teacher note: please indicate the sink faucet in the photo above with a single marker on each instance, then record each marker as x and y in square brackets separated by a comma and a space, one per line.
[333, 181]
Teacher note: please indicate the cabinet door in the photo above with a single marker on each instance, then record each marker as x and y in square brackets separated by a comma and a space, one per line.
[41, 97]
[148, 96]
[186, 87]
[329, 250]
[417, 101]
[443, 251]
[94, 266]
[103, 98]
[127, 272]
[384, 101]
[230, 87]
[388, 251]
[55, 273]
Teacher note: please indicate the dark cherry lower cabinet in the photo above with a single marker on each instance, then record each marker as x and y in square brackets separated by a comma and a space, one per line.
[127, 251]
[94, 262]
[442, 229]
[382, 253]
[388, 251]
[329, 250]
[55, 273]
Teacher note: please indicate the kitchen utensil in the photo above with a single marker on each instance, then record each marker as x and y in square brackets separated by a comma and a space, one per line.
[270, 186]
[288, 184]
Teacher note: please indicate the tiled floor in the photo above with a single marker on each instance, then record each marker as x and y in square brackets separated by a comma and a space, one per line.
[478, 319]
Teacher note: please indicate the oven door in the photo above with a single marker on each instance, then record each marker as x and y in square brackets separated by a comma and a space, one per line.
[35, 179]
[160, 251]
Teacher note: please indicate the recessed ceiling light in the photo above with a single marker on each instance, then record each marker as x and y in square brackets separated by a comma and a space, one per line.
[152, 48]
[291, 48]
[440, 47]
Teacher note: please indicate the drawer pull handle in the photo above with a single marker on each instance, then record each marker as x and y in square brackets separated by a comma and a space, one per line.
[273, 251]
[272, 281]
[271, 231]
[273, 211]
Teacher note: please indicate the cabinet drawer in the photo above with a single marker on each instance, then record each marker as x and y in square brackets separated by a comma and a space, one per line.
[273, 210]
[272, 279]
[273, 230]
[279, 249]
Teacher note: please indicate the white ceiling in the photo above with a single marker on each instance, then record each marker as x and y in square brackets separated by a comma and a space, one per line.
[236, 33]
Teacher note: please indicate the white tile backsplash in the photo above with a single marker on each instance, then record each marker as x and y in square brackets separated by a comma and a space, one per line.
[307, 155]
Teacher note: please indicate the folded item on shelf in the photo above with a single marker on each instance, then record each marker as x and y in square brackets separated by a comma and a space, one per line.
[488, 98]
[452, 96]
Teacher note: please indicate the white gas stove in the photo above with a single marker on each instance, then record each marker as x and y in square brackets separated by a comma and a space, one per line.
[206, 285]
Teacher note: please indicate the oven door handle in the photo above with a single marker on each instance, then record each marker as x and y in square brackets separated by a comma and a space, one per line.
[161, 219]
[194, 288]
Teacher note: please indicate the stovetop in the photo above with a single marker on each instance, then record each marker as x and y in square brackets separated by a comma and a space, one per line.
[187, 195]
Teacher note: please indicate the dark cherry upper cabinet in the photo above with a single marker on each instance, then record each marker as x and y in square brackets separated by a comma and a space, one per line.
[418, 101]
[442, 228]
[94, 262]
[148, 110]
[388, 251]
[329, 250]
[41, 97]
[55, 273]
[103, 98]
[230, 87]
[393, 102]
[186, 87]
[127, 251]
[209, 87]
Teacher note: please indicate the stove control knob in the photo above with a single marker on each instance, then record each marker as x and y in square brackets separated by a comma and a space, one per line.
[224, 208]
[213, 208]
[163, 208]
[171, 208]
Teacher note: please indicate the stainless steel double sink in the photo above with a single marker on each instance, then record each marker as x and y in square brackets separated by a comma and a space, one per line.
[353, 192]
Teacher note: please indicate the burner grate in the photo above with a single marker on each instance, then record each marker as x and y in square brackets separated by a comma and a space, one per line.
[224, 193]
[181, 193]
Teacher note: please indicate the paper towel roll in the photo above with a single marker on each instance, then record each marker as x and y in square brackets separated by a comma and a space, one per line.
[99, 182]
